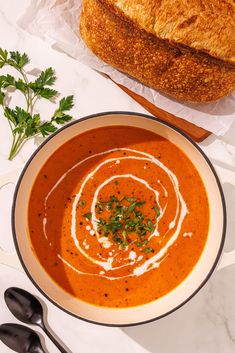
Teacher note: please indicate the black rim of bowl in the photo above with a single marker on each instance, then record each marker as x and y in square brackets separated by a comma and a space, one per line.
[147, 117]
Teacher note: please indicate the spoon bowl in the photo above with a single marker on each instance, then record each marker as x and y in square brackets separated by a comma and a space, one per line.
[24, 306]
[20, 338]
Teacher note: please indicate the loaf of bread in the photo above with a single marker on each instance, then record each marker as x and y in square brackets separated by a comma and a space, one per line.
[183, 48]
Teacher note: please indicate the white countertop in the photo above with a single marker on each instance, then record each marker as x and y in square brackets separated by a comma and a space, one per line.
[204, 325]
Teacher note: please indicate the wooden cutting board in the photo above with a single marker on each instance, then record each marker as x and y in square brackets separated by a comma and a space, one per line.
[197, 133]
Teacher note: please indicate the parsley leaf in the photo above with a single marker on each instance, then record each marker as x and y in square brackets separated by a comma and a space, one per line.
[7, 81]
[46, 78]
[3, 57]
[47, 128]
[47, 93]
[21, 86]
[2, 96]
[18, 60]
[66, 104]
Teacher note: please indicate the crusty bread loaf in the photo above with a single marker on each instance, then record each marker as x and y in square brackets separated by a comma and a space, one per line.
[185, 49]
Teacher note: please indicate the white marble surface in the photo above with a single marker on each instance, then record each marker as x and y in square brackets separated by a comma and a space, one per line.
[207, 323]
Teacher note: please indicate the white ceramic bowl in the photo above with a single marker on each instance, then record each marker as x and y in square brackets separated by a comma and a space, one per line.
[143, 313]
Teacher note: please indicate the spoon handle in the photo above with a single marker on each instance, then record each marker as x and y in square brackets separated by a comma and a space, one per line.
[52, 338]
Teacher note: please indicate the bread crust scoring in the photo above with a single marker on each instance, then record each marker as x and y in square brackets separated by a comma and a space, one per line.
[208, 26]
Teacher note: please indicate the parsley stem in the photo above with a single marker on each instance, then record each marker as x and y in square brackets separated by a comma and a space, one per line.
[10, 126]
[4, 107]
[34, 99]
[17, 141]
[27, 95]
[16, 145]
[27, 105]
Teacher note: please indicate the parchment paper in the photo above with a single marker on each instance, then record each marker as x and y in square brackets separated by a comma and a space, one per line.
[57, 21]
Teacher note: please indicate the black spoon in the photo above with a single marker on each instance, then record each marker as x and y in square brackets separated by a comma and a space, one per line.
[20, 338]
[26, 308]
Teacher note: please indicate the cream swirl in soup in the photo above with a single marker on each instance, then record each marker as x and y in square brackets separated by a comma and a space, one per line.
[122, 216]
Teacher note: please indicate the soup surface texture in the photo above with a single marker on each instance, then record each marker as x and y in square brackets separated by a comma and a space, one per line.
[118, 216]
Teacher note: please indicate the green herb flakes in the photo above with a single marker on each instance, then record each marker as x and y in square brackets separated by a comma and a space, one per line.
[156, 209]
[87, 215]
[147, 250]
[82, 203]
[124, 218]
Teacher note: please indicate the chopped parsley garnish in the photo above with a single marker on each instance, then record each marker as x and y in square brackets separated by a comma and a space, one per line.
[156, 209]
[124, 217]
[82, 203]
[144, 242]
[130, 199]
[147, 250]
[87, 215]
[150, 226]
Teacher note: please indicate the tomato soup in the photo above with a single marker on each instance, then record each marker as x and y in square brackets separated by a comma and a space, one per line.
[118, 216]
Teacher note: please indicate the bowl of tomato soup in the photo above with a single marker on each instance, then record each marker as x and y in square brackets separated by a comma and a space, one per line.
[119, 218]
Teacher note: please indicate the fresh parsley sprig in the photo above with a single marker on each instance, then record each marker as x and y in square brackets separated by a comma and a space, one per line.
[23, 123]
